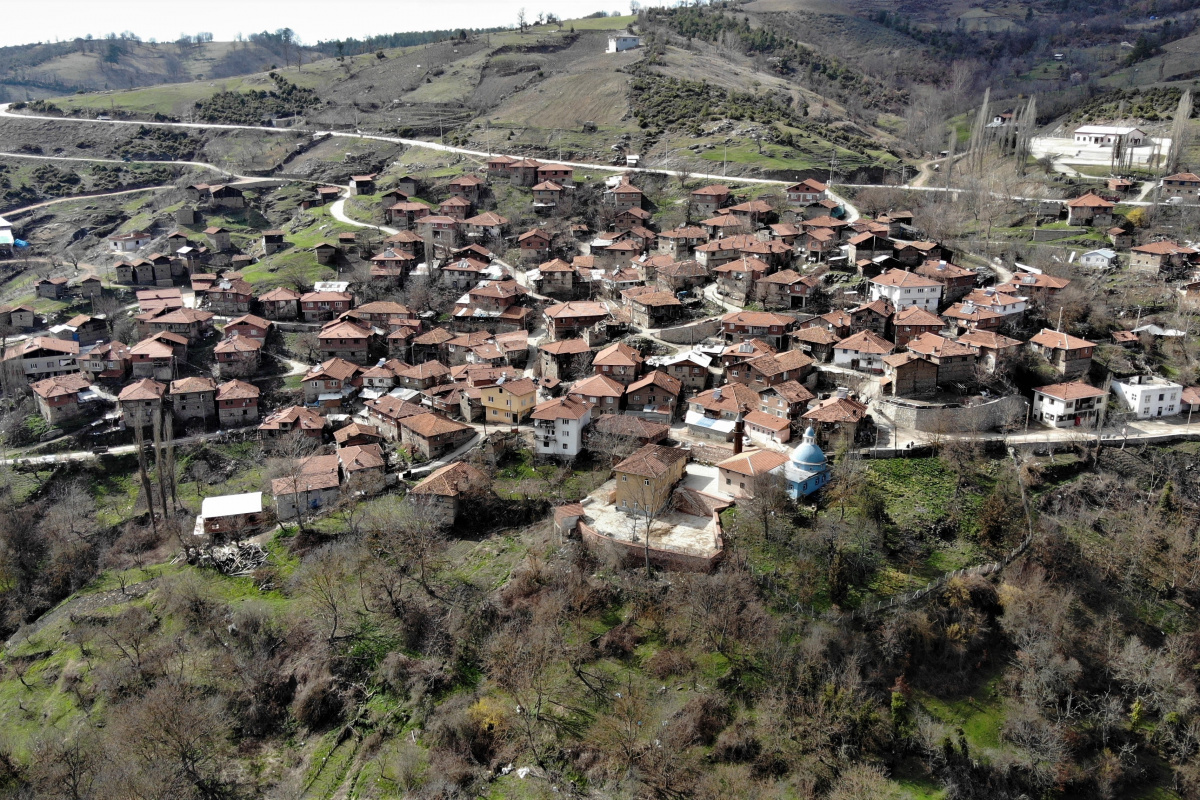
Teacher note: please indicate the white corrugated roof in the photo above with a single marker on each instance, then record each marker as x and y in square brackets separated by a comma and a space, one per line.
[228, 505]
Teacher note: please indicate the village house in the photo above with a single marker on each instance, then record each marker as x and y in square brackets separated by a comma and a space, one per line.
[193, 323]
[362, 184]
[1102, 258]
[908, 374]
[601, 393]
[250, 326]
[571, 319]
[293, 419]
[433, 435]
[738, 280]
[645, 479]
[689, 367]
[21, 316]
[626, 195]
[1068, 405]
[356, 434]
[230, 297]
[406, 214]
[771, 327]
[386, 413]
[817, 341]
[509, 402]
[460, 347]
[738, 476]
[82, 328]
[108, 362]
[837, 416]
[497, 165]
[875, 316]
[735, 355]
[226, 197]
[653, 309]
[681, 242]
[968, 316]
[442, 231]
[555, 278]
[524, 172]
[231, 517]
[314, 485]
[50, 288]
[194, 398]
[862, 351]
[991, 349]
[237, 404]
[564, 359]
[280, 303]
[713, 414]
[707, 200]
[772, 369]
[468, 187]
[955, 361]
[455, 207]
[546, 195]
[441, 495]
[655, 396]
[1091, 209]
[558, 427]
[422, 376]
[1148, 396]
[1162, 258]
[1120, 238]
[152, 358]
[345, 340]
[1037, 287]
[1182, 184]
[1069, 355]
[752, 213]
[463, 272]
[534, 245]
[911, 322]
[141, 402]
[957, 282]
[786, 289]
[787, 400]
[238, 356]
[559, 173]
[331, 382]
[129, 242]
[59, 398]
[364, 467]
[619, 362]
[42, 357]
[642, 431]
[487, 226]
[321, 306]
[806, 192]
[633, 218]
[903, 289]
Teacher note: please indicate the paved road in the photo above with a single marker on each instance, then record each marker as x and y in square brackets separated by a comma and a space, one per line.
[88, 455]
[337, 210]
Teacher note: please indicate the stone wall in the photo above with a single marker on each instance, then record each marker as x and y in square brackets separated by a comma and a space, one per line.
[690, 334]
[942, 419]
[634, 554]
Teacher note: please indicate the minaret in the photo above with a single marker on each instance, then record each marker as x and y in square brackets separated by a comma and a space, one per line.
[739, 428]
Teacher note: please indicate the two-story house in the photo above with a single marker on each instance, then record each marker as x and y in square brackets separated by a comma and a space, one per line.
[509, 402]
[768, 326]
[293, 420]
[558, 426]
[194, 398]
[619, 362]
[1068, 405]
[237, 404]
[1069, 355]
[903, 289]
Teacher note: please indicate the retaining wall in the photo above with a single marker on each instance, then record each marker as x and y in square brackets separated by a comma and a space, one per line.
[633, 554]
[690, 334]
[940, 419]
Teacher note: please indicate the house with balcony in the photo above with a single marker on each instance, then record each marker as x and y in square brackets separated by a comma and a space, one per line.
[63, 397]
[238, 356]
[322, 306]
[433, 435]
[1068, 405]
[1069, 355]
[558, 426]
[331, 382]
[863, 351]
[293, 420]
[602, 394]
[768, 326]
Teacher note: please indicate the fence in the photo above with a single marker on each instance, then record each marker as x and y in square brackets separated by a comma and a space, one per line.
[692, 333]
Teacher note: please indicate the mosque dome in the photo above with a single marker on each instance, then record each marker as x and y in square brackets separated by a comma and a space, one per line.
[807, 455]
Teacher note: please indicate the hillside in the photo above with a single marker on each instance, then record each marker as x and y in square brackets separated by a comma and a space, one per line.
[37, 71]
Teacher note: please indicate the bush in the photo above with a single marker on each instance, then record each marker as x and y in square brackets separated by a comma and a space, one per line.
[319, 704]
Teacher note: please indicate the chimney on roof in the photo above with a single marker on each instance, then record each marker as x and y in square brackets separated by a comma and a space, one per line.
[842, 393]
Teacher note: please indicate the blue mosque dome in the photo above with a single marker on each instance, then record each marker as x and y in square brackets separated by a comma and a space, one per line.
[807, 455]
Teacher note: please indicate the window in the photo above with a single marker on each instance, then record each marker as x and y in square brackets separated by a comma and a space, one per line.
[728, 481]
[646, 481]
[624, 477]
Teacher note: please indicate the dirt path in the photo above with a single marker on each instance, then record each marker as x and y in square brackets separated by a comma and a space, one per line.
[16, 212]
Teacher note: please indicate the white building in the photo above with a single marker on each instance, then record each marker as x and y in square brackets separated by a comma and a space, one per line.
[1099, 259]
[620, 42]
[1068, 405]
[906, 289]
[128, 242]
[1109, 135]
[230, 516]
[558, 426]
[1149, 396]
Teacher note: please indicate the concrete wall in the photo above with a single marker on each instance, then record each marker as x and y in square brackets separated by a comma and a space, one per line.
[939, 419]
[690, 334]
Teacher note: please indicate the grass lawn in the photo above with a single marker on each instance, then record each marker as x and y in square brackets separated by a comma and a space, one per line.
[599, 23]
